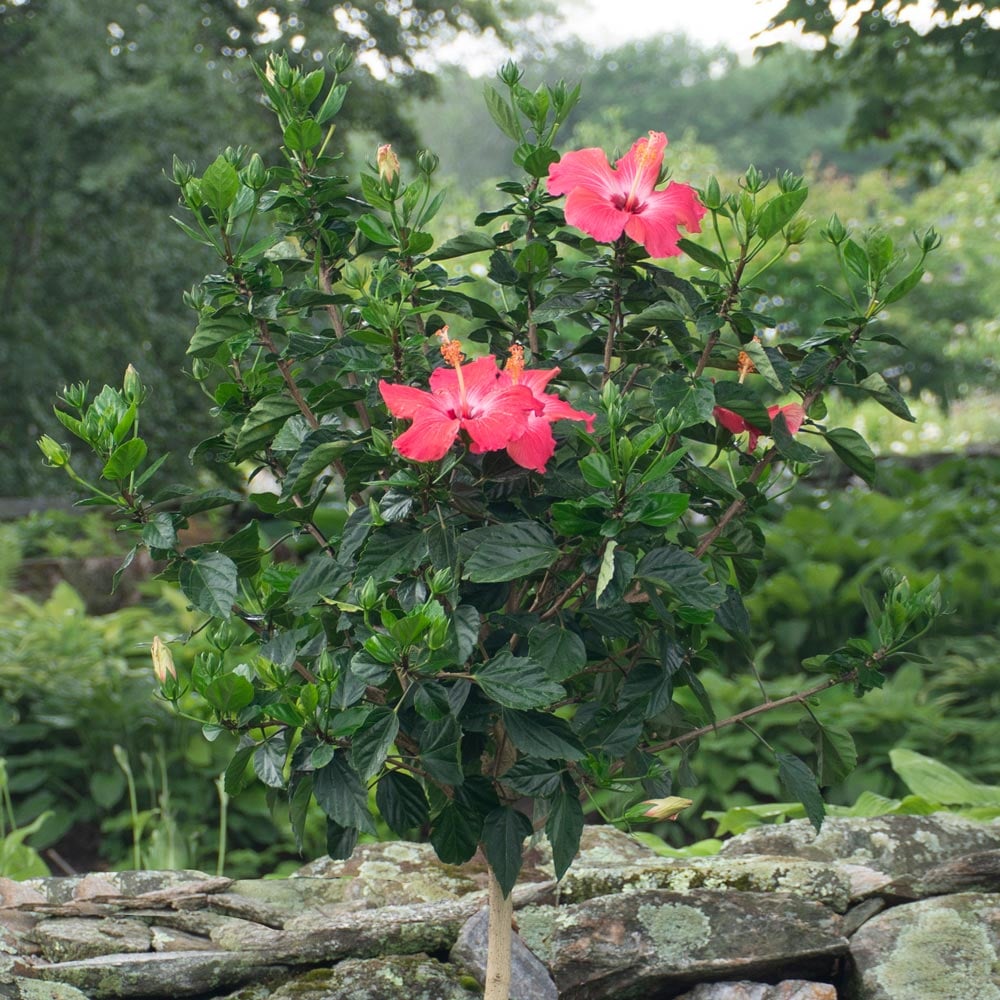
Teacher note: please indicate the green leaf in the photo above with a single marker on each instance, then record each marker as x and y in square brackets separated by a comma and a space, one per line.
[299, 797]
[508, 551]
[702, 255]
[317, 451]
[852, 449]
[228, 693]
[596, 471]
[455, 834]
[441, 750]
[401, 802]
[465, 243]
[534, 777]
[302, 135]
[517, 682]
[269, 760]
[209, 582]
[261, 424]
[559, 651]
[542, 735]
[340, 840]
[239, 771]
[219, 186]
[375, 229]
[762, 362]
[391, 551]
[938, 783]
[905, 286]
[320, 577]
[159, 532]
[342, 795]
[685, 402]
[836, 754]
[502, 113]
[681, 573]
[125, 459]
[504, 830]
[799, 781]
[778, 212]
[880, 390]
[372, 742]
[563, 827]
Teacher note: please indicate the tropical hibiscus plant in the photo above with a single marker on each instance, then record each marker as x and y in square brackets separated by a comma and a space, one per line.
[527, 504]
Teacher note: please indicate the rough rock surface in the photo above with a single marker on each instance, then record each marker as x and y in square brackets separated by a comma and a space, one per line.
[894, 908]
[945, 948]
[640, 943]
[790, 989]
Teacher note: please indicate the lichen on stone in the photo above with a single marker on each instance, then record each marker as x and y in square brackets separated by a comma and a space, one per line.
[677, 930]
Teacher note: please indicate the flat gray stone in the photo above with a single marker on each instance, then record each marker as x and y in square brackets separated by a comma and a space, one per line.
[529, 980]
[411, 977]
[789, 989]
[66, 939]
[159, 974]
[895, 845]
[944, 948]
[650, 941]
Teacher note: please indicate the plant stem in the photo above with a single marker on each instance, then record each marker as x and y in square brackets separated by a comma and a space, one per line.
[499, 938]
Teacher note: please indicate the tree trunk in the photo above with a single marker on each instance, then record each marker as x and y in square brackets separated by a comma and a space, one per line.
[498, 942]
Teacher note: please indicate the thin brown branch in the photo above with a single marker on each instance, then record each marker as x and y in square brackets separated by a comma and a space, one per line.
[766, 706]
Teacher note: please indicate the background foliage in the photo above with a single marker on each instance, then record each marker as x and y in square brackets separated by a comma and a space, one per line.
[95, 101]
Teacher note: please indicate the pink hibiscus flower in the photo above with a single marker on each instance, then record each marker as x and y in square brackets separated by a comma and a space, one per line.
[792, 412]
[606, 201]
[462, 398]
[535, 445]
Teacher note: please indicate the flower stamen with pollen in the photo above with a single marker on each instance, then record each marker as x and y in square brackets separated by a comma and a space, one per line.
[648, 153]
[515, 363]
[451, 351]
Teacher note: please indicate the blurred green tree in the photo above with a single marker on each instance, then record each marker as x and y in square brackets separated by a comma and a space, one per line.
[95, 98]
[925, 83]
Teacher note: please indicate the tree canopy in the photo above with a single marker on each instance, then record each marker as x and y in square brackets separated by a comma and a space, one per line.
[923, 84]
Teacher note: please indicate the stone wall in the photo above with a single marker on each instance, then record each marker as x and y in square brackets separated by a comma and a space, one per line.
[893, 908]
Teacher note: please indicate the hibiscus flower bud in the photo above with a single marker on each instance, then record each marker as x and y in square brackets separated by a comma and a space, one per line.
[388, 163]
[163, 661]
[667, 808]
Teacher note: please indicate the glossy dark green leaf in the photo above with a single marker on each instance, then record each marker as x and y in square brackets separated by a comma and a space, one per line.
[836, 754]
[799, 781]
[507, 551]
[159, 532]
[563, 827]
[210, 583]
[542, 735]
[401, 801]
[321, 577]
[502, 113]
[678, 571]
[440, 750]
[504, 830]
[372, 742]
[517, 682]
[464, 243]
[266, 418]
[340, 840]
[885, 394]
[534, 777]
[455, 833]
[702, 255]
[269, 760]
[558, 650]
[853, 450]
[342, 795]
[375, 229]
[228, 693]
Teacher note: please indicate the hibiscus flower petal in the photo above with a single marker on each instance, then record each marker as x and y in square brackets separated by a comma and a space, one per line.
[535, 446]
[502, 418]
[430, 436]
[404, 401]
[792, 412]
[588, 168]
[655, 224]
[559, 409]
[733, 422]
[594, 213]
[639, 169]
